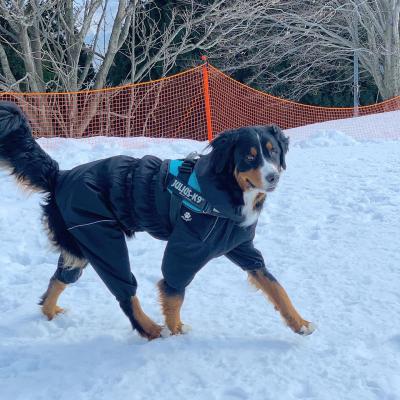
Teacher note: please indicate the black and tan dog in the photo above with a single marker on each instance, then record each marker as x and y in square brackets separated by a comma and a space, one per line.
[205, 207]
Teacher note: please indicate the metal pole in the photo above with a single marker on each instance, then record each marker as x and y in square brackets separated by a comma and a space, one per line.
[356, 86]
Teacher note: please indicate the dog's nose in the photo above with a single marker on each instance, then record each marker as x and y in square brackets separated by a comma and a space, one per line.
[272, 178]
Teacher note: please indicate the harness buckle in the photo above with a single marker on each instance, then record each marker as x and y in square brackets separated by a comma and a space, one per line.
[188, 163]
[186, 167]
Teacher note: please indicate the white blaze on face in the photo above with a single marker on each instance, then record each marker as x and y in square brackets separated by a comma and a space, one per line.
[267, 169]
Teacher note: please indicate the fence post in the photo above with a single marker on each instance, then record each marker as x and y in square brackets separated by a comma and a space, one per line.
[207, 104]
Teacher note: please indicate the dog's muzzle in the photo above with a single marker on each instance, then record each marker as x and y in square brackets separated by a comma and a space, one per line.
[271, 180]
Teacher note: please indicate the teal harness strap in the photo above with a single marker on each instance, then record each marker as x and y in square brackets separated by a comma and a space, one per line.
[185, 189]
[181, 191]
[192, 182]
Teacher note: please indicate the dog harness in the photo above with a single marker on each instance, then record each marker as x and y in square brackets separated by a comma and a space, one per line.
[185, 189]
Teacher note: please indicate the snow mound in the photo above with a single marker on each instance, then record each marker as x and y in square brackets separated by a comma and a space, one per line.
[364, 128]
[327, 138]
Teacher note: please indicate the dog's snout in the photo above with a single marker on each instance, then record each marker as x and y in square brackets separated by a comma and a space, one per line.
[272, 178]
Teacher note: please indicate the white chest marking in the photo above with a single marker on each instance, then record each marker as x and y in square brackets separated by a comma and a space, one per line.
[250, 214]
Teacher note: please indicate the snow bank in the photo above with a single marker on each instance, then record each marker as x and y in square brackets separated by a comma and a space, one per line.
[326, 138]
[378, 126]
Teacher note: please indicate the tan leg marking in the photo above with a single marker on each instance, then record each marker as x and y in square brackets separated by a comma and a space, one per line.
[171, 307]
[279, 298]
[50, 308]
[151, 329]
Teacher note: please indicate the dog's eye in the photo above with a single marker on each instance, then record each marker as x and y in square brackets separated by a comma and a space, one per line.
[270, 147]
[250, 158]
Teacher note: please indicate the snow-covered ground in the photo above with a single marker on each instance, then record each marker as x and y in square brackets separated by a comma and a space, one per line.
[331, 235]
[384, 126]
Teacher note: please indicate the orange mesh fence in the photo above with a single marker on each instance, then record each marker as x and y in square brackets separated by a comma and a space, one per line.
[196, 104]
[234, 104]
[171, 107]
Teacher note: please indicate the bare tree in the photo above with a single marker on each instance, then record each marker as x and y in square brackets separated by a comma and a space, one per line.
[191, 25]
[302, 46]
[58, 43]
[51, 35]
[62, 37]
[50, 38]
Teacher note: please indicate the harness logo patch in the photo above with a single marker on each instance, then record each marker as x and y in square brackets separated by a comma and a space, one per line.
[187, 216]
[187, 192]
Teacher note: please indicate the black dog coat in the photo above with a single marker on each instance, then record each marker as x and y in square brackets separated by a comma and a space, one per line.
[105, 200]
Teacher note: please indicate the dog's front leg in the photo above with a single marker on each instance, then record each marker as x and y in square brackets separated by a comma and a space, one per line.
[171, 301]
[266, 282]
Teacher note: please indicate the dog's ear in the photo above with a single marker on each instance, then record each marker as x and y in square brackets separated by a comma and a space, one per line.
[222, 150]
[283, 142]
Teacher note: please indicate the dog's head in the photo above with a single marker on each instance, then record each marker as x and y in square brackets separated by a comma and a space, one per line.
[255, 156]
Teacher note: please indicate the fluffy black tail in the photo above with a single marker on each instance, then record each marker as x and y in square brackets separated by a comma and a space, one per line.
[19, 151]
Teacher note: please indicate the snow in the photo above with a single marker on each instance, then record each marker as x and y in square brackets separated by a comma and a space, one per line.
[330, 234]
[327, 138]
[369, 127]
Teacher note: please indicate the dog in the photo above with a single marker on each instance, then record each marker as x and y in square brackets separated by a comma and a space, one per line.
[204, 206]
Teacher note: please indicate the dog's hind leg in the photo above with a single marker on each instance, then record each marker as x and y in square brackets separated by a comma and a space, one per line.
[64, 275]
[49, 299]
[103, 244]
[266, 282]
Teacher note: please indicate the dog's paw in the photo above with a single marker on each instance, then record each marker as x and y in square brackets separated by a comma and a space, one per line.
[52, 311]
[308, 329]
[154, 332]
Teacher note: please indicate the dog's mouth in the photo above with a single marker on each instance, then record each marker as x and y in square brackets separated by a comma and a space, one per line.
[250, 185]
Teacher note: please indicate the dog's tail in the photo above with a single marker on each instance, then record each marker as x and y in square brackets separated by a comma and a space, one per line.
[19, 151]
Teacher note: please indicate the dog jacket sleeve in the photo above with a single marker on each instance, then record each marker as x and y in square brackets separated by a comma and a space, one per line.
[65, 274]
[196, 239]
[246, 256]
[184, 256]
[103, 245]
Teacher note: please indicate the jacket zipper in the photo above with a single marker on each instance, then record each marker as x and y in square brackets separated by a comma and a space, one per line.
[212, 228]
